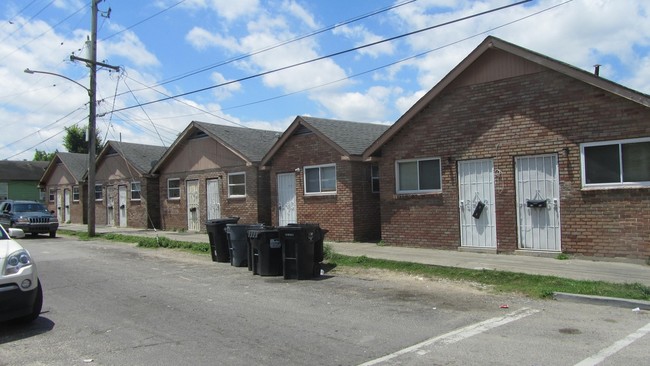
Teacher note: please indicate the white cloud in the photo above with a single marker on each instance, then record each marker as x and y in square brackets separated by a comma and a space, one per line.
[363, 36]
[356, 106]
[300, 13]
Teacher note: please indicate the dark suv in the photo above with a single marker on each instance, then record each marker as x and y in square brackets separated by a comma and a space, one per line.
[30, 216]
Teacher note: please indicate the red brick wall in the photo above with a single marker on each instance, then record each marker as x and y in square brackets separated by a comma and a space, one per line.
[254, 208]
[542, 113]
[350, 215]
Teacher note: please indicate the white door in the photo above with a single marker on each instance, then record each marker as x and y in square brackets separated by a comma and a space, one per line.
[59, 206]
[110, 205]
[213, 199]
[476, 203]
[121, 202]
[193, 219]
[66, 207]
[287, 199]
[538, 202]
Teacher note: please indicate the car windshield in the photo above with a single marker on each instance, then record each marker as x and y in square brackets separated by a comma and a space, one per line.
[29, 207]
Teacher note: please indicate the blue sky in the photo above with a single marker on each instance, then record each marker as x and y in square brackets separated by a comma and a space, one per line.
[167, 40]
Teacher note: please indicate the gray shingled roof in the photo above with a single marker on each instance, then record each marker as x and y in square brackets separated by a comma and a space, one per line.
[353, 137]
[77, 164]
[249, 142]
[11, 170]
[140, 156]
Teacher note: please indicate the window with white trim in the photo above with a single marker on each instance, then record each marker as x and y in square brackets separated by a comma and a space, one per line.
[98, 192]
[236, 185]
[75, 193]
[135, 191]
[320, 179]
[52, 194]
[418, 175]
[374, 178]
[611, 164]
[174, 189]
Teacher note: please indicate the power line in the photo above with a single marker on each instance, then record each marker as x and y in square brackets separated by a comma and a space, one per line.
[326, 56]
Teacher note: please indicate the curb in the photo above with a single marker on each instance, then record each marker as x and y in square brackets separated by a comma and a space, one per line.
[601, 300]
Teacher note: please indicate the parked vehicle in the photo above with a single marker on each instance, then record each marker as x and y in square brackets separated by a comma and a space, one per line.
[21, 295]
[30, 216]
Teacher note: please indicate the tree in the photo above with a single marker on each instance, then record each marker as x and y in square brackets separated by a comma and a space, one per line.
[43, 156]
[75, 140]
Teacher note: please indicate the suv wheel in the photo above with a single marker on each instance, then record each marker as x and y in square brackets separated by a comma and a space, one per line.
[52, 234]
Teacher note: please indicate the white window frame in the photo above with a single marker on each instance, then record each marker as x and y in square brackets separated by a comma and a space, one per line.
[320, 180]
[232, 185]
[52, 194]
[169, 189]
[416, 191]
[621, 183]
[75, 194]
[100, 192]
[139, 191]
[374, 178]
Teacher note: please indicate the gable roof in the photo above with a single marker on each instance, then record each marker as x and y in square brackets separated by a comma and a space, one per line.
[350, 138]
[249, 144]
[141, 157]
[12, 170]
[534, 57]
[76, 164]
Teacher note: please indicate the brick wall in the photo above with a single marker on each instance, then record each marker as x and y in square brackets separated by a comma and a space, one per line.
[350, 215]
[542, 113]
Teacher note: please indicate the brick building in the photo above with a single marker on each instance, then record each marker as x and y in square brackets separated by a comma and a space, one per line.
[212, 171]
[318, 176]
[515, 151]
[126, 194]
[65, 187]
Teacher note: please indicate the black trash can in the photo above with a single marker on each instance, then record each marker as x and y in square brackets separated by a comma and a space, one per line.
[238, 243]
[266, 251]
[300, 256]
[218, 239]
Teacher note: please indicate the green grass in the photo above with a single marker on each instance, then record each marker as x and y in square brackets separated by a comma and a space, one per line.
[534, 286]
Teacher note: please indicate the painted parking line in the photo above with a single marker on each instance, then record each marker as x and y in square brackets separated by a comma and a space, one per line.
[457, 335]
[617, 346]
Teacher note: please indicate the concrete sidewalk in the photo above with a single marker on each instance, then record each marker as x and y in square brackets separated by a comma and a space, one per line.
[579, 269]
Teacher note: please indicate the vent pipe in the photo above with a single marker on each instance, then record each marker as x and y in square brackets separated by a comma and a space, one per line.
[597, 69]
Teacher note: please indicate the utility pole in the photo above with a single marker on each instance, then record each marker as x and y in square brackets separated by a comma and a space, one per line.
[92, 91]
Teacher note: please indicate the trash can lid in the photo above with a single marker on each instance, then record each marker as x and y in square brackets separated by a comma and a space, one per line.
[223, 220]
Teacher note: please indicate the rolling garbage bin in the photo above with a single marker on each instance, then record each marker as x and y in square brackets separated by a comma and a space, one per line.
[302, 250]
[266, 251]
[238, 243]
[218, 240]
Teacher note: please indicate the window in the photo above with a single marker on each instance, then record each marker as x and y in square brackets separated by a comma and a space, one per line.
[623, 163]
[374, 178]
[98, 192]
[237, 185]
[320, 179]
[418, 176]
[75, 193]
[52, 195]
[135, 191]
[173, 189]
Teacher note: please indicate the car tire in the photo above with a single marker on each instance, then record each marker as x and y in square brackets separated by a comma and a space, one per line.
[36, 309]
[52, 234]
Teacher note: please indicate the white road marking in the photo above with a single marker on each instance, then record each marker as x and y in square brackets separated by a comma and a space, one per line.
[617, 346]
[457, 335]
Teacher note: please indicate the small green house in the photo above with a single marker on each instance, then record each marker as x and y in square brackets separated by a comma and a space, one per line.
[19, 180]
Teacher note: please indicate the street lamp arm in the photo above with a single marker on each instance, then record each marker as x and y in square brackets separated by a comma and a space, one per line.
[28, 71]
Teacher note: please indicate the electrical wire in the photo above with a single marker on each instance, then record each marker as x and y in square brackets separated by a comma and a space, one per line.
[326, 56]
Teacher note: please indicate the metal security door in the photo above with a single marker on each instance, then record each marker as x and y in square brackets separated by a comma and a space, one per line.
[110, 204]
[538, 202]
[287, 199]
[476, 203]
[193, 218]
[121, 201]
[59, 206]
[66, 207]
[213, 199]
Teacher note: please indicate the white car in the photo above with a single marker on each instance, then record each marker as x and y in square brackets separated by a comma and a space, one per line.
[21, 295]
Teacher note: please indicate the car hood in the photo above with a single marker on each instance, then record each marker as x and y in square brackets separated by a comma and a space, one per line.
[7, 247]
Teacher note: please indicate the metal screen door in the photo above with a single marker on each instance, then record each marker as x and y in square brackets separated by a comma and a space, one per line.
[193, 218]
[121, 202]
[213, 199]
[287, 199]
[476, 203]
[538, 185]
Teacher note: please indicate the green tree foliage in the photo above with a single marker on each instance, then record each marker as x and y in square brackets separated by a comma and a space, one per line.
[75, 140]
[43, 155]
